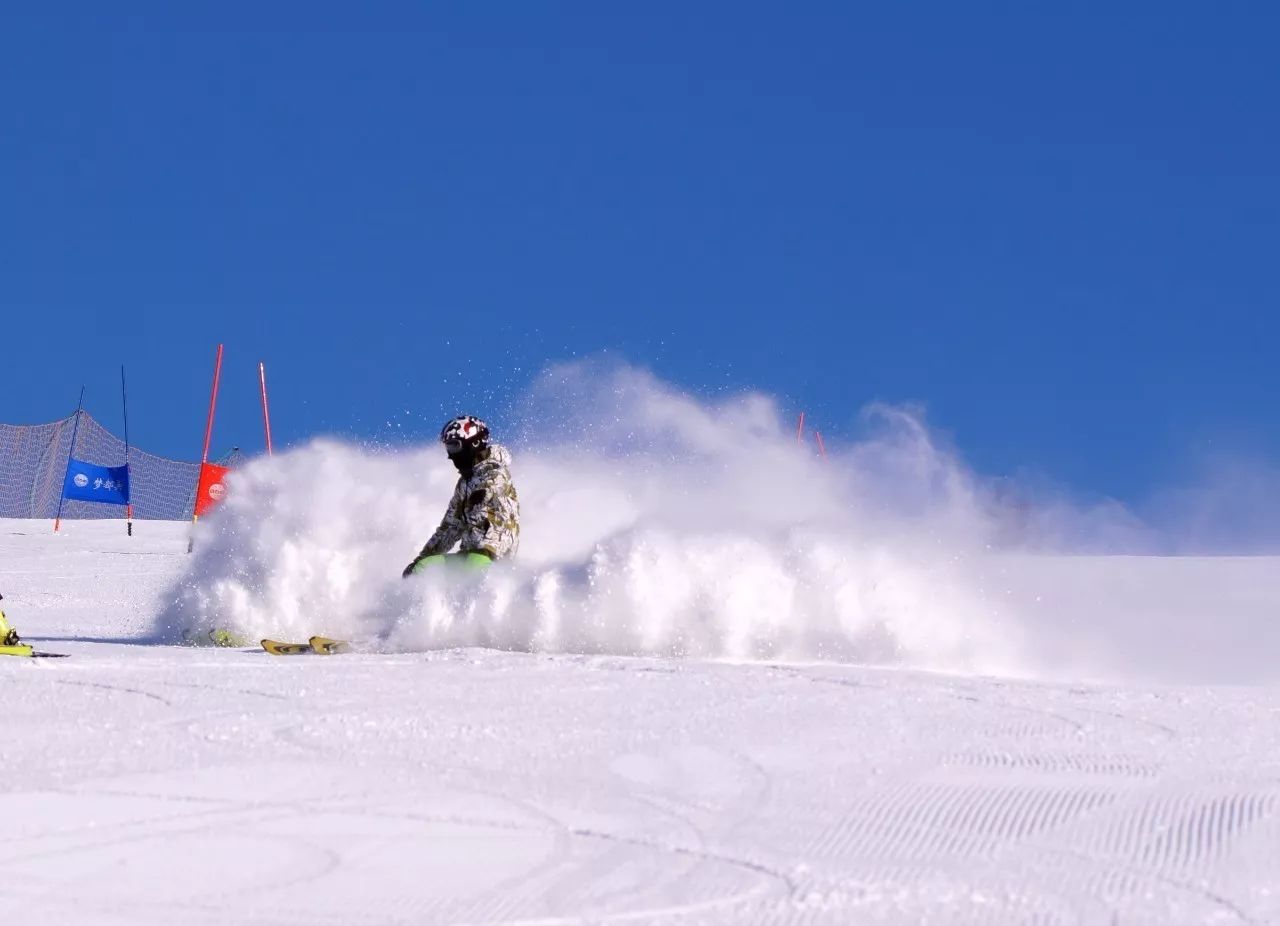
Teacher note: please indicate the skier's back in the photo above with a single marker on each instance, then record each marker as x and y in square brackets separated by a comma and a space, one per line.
[483, 517]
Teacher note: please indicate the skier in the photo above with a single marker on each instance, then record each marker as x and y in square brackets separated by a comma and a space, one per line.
[483, 516]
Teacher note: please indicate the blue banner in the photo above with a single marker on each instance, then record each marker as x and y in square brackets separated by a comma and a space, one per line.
[86, 482]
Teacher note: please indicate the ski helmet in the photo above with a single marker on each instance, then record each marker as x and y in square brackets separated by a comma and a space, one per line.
[464, 431]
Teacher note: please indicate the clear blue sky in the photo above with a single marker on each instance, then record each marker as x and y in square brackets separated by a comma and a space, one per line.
[1057, 226]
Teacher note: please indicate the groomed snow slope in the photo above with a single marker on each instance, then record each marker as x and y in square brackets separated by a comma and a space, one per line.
[164, 784]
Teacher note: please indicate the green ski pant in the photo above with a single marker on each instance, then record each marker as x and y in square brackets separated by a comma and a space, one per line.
[471, 561]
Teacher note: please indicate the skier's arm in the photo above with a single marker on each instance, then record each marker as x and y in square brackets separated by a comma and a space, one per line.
[450, 530]
[448, 533]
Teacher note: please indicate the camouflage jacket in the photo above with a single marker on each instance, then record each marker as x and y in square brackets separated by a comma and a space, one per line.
[484, 513]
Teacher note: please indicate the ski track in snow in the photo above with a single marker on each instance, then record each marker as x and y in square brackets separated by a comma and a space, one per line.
[159, 784]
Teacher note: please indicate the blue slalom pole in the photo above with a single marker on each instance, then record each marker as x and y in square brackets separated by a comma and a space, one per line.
[62, 492]
[124, 401]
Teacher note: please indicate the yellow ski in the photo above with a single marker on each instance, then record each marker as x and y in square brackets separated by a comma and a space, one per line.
[316, 646]
[27, 651]
[327, 647]
[276, 648]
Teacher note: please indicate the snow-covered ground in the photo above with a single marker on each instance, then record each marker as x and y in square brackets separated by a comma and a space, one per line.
[148, 783]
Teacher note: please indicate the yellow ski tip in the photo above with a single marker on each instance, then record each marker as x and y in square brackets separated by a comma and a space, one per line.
[276, 648]
[327, 646]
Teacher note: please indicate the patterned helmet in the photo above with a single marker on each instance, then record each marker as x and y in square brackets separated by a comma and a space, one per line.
[462, 431]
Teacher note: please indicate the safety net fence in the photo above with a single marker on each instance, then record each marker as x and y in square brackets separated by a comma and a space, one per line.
[33, 463]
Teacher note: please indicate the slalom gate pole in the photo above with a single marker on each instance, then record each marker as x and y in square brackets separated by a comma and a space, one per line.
[800, 429]
[213, 405]
[208, 435]
[266, 415]
[822, 448]
[124, 402]
[62, 491]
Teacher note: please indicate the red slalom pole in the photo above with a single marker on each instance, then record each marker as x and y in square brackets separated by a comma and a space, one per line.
[822, 448]
[266, 414]
[208, 435]
[800, 429]
[213, 404]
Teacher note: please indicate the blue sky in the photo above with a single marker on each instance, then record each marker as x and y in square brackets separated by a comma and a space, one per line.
[1055, 226]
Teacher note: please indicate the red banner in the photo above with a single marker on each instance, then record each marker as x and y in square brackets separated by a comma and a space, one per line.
[212, 488]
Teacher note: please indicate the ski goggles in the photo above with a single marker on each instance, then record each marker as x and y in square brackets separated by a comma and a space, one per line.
[453, 445]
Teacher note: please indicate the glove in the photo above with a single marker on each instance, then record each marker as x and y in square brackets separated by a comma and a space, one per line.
[408, 570]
